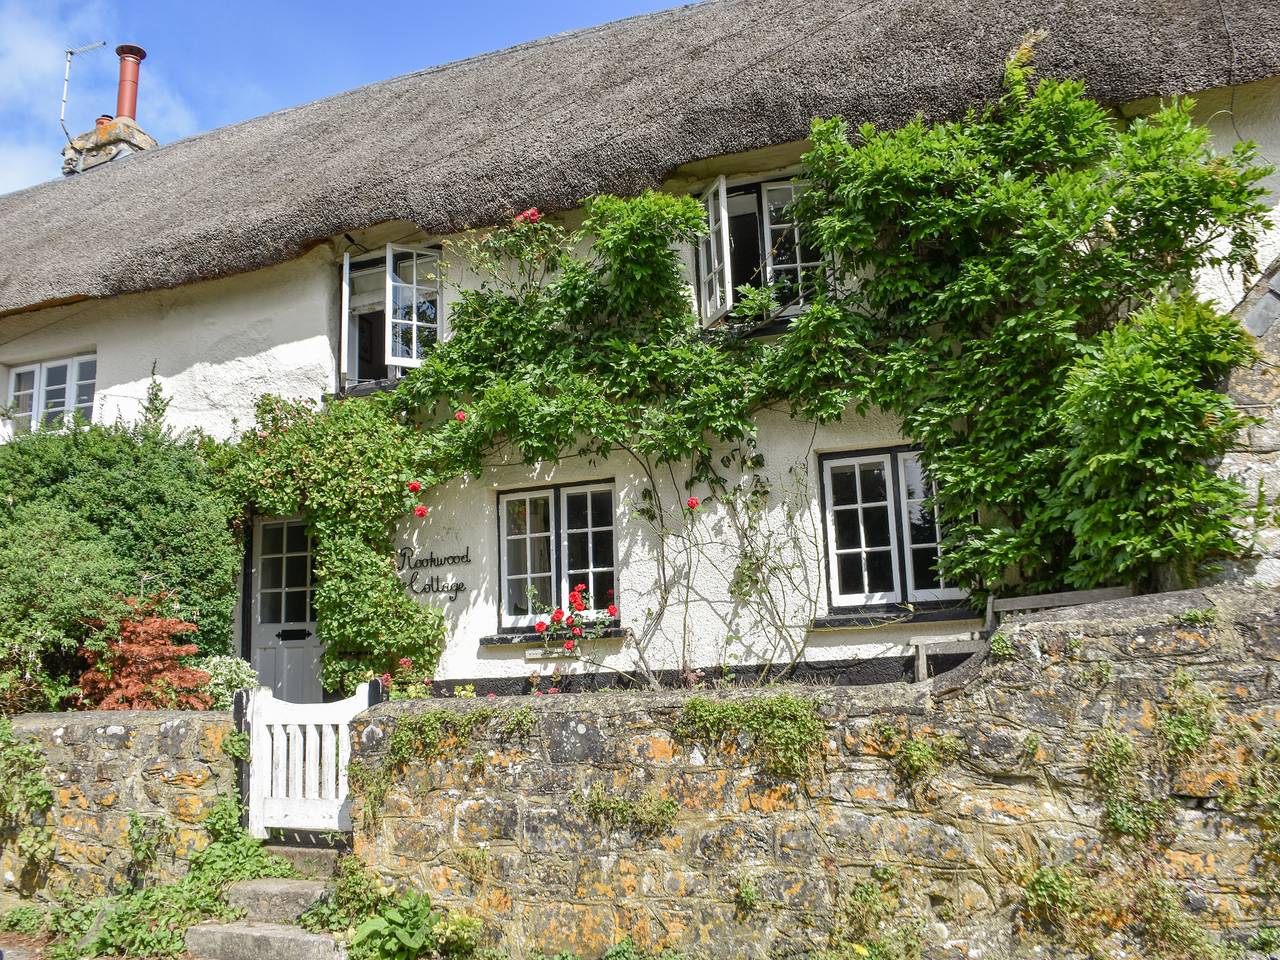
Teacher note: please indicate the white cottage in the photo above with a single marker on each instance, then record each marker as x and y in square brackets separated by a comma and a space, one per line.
[268, 257]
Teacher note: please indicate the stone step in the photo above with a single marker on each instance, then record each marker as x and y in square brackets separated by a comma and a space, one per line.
[312, 863]
[277, 901]
[248, 940]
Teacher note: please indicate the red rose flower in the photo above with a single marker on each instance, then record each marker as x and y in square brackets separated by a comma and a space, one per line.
[611, 593]
[580, 588]
[612, 610]
[460, 415]
[414, 486]
[579, 605]
[419, 511]
[693, 503]
[553, 689]
[568, 645]
[386, 679]
[568, 621]
[537, 693]
[406, 662]
[557, 616]
[577, 631]
[529, 216]
[541, 626]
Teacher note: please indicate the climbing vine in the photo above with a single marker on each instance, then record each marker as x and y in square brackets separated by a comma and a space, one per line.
[1010, 286]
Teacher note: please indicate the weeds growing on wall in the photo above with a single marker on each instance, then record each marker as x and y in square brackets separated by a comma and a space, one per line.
[25, 796]
[1010, 285]
[786, 732]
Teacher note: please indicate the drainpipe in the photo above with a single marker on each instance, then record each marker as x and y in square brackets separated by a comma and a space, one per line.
[127, 93]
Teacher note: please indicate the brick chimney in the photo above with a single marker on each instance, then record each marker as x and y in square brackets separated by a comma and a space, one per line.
[112, 137]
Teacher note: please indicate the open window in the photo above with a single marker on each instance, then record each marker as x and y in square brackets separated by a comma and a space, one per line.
[753, 239]
[391, 309]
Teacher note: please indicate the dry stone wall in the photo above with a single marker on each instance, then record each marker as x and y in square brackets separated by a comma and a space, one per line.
[755, 865]
[167, 768]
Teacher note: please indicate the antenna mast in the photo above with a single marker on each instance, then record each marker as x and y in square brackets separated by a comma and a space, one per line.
[66, 80]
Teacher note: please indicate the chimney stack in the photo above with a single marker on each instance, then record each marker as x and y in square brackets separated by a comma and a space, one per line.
[127, 93]
[112, 137]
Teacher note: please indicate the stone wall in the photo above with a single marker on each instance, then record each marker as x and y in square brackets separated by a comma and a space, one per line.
[166, 767]
[488, 821]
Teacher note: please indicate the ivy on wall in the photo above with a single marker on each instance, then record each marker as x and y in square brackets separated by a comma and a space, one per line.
[1010, 285]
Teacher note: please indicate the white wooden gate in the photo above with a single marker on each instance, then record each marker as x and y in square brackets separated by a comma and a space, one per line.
[298, 757]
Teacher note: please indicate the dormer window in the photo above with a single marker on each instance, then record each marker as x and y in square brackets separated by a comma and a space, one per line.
[391, 305]
[753, 238]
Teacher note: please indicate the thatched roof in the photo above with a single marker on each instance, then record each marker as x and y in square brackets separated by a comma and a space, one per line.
[613, 108]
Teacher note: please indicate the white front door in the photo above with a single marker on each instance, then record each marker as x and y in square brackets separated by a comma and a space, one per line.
[285, 647]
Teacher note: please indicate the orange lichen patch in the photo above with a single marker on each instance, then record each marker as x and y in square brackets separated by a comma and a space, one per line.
[768, 800]
[447, 881]
[188, 841]
[212, 738]
[107, 798]
[1206, 781]
[672, 843]
[189, 807]
[495, 900]
[72, 796]
[1191, 864]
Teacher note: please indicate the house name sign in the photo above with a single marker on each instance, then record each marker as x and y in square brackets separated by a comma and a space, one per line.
[415, 569]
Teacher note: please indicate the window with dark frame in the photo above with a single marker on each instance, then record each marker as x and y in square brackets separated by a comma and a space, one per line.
[880, 535]
[551, 540]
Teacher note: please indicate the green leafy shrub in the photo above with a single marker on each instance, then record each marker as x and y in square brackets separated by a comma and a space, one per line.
[26, 796]
[1188, 719]
[1113, 771]
[786, 731]
[227, 674]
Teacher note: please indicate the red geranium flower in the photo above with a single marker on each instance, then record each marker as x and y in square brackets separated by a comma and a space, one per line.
[406, 662]
[557, 616]
[460, 415]
[419, 511]
[612, 610]
[541, 626]
[568, 645]
[414, 486]
[693, 503]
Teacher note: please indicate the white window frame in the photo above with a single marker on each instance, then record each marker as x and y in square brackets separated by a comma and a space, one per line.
[38, 409]
[563, 526]
[393, 281]
[525, 620]
[768, 226]
[860, 599]
[943, 592]
[716, 202]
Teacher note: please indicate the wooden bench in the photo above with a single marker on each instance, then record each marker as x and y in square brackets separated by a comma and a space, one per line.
[1046, 601]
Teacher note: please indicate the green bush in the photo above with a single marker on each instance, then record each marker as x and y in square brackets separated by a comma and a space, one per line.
[226, 675]
[89, 516]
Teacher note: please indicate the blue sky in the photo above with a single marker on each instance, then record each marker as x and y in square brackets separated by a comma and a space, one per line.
[214, 62]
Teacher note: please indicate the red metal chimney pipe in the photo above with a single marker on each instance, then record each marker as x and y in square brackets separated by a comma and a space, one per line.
[127, 93]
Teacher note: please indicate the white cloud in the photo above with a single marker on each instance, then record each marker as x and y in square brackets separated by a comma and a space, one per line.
[33, 46]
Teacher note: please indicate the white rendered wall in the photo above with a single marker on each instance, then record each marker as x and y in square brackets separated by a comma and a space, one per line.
[216, 347]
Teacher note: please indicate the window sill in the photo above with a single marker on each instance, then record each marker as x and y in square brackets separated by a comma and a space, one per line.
[367, 387]
[886, 614]
[523, 637]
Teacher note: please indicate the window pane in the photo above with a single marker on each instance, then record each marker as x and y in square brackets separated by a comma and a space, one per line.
[576, 511]
[848, 535]
[601, 589]
[542, 592]
[296, 538]
[875, 526]
[602, 548]
[517, 596]
[427, 337]
[272, 538]
[402, 265]
[879, 571]
[295, 571]
[24, 382]
[874, 488]
[786, 288]
[55, 375]
[849, 566]
[271, 572]
[402, 340]
[602, 508]
[84, 395]
[924, 571]
[426, 308]
[517, 518]
[844, 488]
[517, 560]
[269, 607]
[87, 370]
[783, 245]
[311, 606]
[578, 558]
[540, 515]
[913, 479]
[923, 529]
[540, 555]
[295, 606]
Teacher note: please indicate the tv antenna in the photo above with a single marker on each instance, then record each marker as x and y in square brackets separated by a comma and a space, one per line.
[66, 80]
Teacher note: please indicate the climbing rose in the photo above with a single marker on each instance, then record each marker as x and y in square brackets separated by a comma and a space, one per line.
[420, 511]
[579, 588]
[568, 621]
[406, 662]
[557, 616]
[460, 415]
[577, 631]
[693, 503]
[579, 605]
[612, 610]
[529, 216]
[568, 645]
[414, 486]
[541, 626]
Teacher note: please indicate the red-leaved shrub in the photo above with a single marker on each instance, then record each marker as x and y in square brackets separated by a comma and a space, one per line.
[140, 668]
